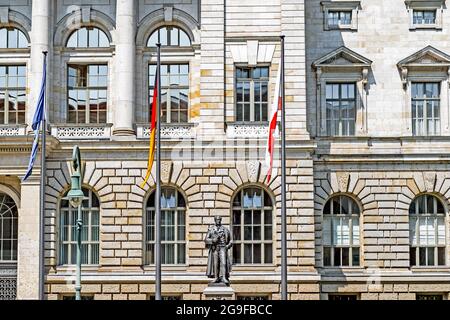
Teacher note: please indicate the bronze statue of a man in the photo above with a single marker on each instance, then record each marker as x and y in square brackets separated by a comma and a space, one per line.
[219, 241]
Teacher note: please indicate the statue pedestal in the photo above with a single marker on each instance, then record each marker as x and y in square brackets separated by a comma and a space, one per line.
[218, 292]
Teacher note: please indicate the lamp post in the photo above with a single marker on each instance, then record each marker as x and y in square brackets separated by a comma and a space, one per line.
[76, 197]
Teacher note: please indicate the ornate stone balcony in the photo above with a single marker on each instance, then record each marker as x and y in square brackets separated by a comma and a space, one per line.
[13, 130]
[81, 131]
[255, 130]
[168, 131]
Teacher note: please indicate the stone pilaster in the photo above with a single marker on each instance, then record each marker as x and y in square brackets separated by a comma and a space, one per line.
[293, 28]
[40, 41]
[125, 68]
[28, 242]
[212, 95]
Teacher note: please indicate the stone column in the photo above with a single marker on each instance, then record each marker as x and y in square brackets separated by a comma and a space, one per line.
[125, 62]
[28, 242]
[40, 41]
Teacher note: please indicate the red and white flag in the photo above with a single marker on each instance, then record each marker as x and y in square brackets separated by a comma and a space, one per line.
[277, 105]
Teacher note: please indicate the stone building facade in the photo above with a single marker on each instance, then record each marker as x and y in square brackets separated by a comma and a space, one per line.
[368, 183]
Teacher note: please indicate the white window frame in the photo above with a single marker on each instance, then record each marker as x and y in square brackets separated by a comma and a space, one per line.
[242, 242]
[177, 210]
[426, 5]
[87, 90]
[14, 211]
[252, 94]
[426, 129]
[426, 65]
[335, 78]
[348, 6]
[351, 246]
[435, 216]
[73, 238]
[19, 57]
[427, 76]
[177, 55]
[93, 58]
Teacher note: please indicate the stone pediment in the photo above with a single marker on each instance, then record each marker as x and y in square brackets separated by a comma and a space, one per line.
[342, 57]
[428, 56]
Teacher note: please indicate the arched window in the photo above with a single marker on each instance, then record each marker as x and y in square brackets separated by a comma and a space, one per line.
[252, 226]
[169, 36]
[90, 234]
[173, 228]
[341, 232]
[12, 38]
[427, 231]
[8, 229]
[88, 37]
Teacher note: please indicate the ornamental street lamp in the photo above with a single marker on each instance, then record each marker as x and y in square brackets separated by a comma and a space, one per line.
[76, 197]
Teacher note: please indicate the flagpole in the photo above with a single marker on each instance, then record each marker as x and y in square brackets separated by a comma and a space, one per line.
[42, 196]
[284, 282]
[158, 185]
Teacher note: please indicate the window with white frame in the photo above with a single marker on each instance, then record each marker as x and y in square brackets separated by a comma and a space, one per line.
[426, 108]
[88, 37]
[87, 94]
[425, 14]
[13, 95]
[341, 232]
[339, 18]
[252, 94]
[425, 17]
[90, 234]
[341, 109]
[427, 229]
[8, 229]
[174, 92]
[341, 15]
[173, 228]
[252, 227]
[169, 36]
[12, 38]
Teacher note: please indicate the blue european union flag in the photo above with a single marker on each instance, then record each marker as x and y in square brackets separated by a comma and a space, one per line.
[39, 117]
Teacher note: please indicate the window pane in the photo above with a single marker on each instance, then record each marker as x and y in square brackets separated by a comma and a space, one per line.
[355, 257]
[268, 253]
[327, 256]
[345, 257]
[337, 257]
[184, 39]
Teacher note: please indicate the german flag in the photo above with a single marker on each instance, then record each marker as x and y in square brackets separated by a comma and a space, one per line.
[153, 128]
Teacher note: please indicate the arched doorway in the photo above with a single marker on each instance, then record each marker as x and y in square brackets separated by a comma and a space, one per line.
[8, 247]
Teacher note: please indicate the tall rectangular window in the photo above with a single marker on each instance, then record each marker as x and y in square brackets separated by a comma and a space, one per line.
[337, 18]
[426, 108]
[174, 92]
[252, 94]
[12, 94]
[341, 109]
[173, 228]
[87, 94]
[424, 17]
